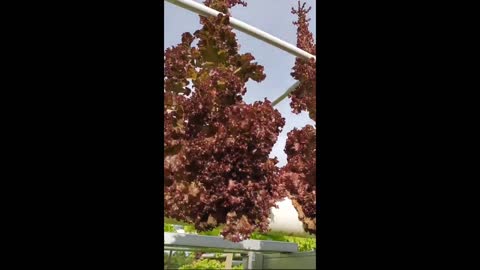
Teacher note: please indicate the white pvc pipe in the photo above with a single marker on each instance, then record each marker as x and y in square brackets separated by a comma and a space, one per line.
[245, 28]
[284, 95]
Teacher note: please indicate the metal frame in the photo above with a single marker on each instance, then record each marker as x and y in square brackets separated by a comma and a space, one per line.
[250, 249]
[192, 241]
[300, 260]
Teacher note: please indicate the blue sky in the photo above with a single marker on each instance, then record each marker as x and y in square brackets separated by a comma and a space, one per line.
[273, 17]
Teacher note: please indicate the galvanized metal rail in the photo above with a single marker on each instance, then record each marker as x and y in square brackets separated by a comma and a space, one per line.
[175, 241]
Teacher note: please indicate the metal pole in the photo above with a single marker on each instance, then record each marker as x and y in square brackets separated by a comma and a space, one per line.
[244, 27]
[251, 260]
[168, 260]
[228, 261]
[284, 95]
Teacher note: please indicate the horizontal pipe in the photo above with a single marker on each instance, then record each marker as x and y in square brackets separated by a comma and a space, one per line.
[215, 242]
[244, 27]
